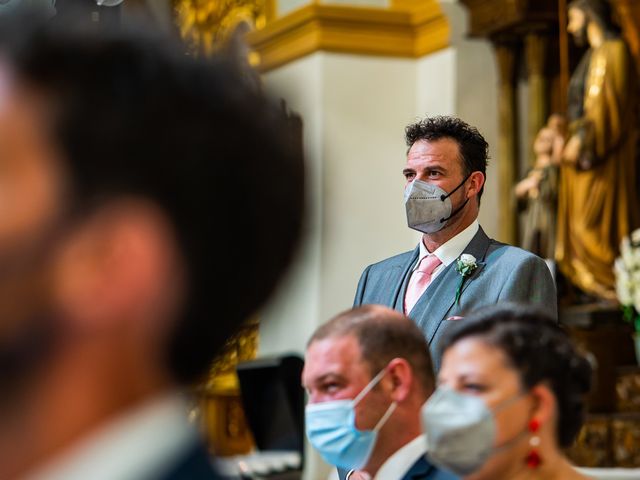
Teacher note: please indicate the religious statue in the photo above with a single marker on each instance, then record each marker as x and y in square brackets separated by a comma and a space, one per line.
[537, 192]
[597, 196]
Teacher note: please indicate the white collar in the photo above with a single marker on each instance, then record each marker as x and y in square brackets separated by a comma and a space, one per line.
[398, 464]
[139, 444]
[450, 250]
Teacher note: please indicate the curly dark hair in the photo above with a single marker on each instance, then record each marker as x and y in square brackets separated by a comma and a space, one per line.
[540, 351]
[135, 116]
[474, 149]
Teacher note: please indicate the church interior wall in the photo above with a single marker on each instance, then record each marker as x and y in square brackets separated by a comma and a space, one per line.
[284, 7]
[436, 78]
[291, 315]
[367, 102]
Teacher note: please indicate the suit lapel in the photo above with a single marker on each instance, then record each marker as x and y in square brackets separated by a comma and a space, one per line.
[419, 470]
[401, 280]
[440, 296]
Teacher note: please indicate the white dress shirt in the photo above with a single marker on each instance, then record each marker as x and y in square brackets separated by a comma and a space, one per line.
[398, 464]
[138, 445]
[449, 251]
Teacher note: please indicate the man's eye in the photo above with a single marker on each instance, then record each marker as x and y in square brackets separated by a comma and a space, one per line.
[474, 387]
[409, 176]
[434, 174]
[330, 387]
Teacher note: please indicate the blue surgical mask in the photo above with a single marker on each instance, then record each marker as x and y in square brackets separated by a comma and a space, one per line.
[331, 429]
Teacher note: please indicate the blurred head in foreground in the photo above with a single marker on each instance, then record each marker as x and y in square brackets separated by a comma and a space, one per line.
[511, 394]
[149, 203]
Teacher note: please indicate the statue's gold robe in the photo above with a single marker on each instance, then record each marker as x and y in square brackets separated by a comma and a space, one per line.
[597, 199]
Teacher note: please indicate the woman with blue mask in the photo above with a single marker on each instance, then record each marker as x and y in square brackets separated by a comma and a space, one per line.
[510, 396]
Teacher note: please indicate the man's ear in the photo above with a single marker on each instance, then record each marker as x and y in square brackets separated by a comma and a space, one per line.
[401, 379]
[119, 268]
[475, 184]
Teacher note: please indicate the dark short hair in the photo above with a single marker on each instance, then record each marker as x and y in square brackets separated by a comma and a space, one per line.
[383, 335]
[134, 115]
[474, 149]
[540, 351]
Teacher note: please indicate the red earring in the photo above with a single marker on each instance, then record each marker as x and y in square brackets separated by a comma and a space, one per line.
[533, 459]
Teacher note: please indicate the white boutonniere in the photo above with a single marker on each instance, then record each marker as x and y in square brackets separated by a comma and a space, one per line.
[465, 265]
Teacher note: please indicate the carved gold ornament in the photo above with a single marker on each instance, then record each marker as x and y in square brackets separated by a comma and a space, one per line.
[205, 25]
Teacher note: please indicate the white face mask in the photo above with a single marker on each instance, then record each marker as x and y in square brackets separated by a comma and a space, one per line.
[460, 430]
[428, 206]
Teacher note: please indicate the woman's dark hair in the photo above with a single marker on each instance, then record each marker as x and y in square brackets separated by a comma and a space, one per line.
[540, 351]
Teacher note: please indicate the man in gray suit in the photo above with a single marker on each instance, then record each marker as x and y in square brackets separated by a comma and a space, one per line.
[456, 268]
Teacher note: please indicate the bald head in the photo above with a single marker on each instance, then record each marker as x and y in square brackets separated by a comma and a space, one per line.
[382, 334]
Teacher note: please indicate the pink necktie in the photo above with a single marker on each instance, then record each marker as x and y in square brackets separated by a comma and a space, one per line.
[419, 281]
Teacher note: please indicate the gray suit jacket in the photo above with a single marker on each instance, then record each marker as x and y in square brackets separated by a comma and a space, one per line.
[504, 274]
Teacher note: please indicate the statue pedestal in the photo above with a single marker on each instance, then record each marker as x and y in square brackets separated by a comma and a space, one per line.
[610, 436]
[613, 439]
[599, 330]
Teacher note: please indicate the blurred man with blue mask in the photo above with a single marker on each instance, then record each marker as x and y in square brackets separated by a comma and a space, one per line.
[368, 372]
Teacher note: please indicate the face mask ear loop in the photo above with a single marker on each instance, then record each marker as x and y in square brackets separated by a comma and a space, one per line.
[507, 403]
[385, 417]
[444, 197]
[374, 381]
[442, 220]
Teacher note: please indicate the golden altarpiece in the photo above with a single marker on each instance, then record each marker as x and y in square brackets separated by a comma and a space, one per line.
[532, 46]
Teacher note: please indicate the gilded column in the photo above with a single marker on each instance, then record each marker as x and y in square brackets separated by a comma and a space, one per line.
[507, 146]
[535, 48]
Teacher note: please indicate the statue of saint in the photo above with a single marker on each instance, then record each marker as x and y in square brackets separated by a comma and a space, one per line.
[597, 197]
[538, 191]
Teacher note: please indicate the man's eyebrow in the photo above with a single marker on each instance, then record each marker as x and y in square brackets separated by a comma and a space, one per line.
[328, 376]
[437, 166]
[472, 376]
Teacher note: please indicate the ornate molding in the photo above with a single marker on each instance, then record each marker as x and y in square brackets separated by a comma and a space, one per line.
[206, 25]
[398, 31]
